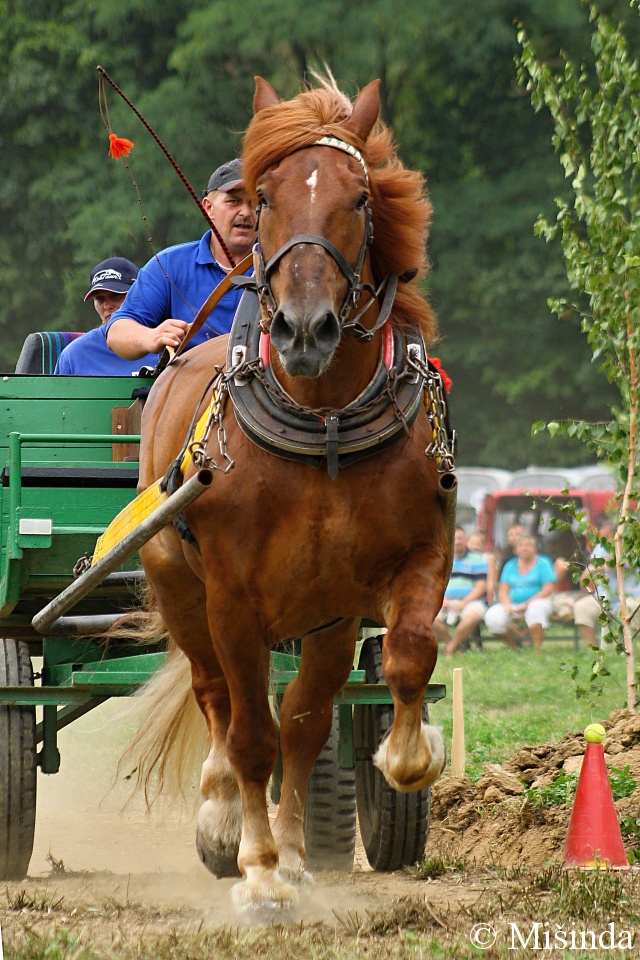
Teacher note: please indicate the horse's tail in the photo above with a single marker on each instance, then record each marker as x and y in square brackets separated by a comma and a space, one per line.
[171, 741]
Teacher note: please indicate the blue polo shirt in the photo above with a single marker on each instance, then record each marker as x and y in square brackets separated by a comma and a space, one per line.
[465, 573]
[89, 356]
[177, 286]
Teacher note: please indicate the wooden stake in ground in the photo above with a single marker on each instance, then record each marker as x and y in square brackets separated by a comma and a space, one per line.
[458, 758]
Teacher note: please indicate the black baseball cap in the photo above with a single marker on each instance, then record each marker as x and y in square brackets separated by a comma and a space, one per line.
[226, 177]
[116, 275]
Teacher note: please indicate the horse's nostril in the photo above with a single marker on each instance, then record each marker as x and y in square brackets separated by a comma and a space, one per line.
[281, 330]
[326, 331]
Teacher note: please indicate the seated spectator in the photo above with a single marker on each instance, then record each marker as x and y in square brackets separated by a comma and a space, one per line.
[524, 592]
[588, 608]
[463, 606]
[515, 531]
[89, 355]
[476, 543]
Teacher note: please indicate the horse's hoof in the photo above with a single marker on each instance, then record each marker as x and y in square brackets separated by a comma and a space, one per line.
[265, 899]
[220, 860]
[411, 778]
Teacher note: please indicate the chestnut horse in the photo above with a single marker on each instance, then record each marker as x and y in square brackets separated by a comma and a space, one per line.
[280, 549]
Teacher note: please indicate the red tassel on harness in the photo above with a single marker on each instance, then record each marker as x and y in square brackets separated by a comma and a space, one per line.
[446, 379]
[119, 146]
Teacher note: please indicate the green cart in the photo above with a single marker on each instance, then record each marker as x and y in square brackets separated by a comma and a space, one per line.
[68, 461]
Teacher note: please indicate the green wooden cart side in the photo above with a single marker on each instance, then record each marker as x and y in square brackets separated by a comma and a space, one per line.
[59, 486]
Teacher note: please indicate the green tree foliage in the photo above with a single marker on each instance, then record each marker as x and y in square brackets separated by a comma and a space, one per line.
[64, 205]
[595, 109]
[448, 89]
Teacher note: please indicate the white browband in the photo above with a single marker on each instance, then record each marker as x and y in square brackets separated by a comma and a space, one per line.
[346, 148]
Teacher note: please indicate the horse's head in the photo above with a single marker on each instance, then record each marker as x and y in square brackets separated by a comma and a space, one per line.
[314, 229]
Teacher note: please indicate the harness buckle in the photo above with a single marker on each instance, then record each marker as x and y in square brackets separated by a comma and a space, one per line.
[238, 358]
[414, 353]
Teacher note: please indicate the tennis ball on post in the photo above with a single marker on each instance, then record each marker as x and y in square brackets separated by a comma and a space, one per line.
[595, 733]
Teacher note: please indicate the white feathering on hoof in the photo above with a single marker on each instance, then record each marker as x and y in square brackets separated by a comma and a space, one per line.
[220, 822]
[298, 878]
[438, 759]
[264, 893]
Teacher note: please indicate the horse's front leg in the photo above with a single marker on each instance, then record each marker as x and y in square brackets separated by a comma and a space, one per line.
[305, 724]
[252, 745]
[414, 754]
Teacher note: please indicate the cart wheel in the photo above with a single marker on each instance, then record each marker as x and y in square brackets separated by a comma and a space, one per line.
[17, 765]
[330, 813]
[394, 826]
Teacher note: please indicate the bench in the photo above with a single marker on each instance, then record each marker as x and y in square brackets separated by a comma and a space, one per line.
[565, 629]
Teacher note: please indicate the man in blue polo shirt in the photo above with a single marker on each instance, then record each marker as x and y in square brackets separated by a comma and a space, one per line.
[464, 599]
[173, 285]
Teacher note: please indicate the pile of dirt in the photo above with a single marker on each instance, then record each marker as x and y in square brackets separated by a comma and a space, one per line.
[496, 820]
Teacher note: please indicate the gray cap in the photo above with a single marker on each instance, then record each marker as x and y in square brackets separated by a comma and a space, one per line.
[226, 177]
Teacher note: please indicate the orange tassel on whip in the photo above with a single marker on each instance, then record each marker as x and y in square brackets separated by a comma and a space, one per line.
[119, 146]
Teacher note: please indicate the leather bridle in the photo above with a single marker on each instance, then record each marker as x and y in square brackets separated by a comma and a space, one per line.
[355, 289]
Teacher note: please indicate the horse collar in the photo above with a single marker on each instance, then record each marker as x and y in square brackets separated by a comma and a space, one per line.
[380, 416]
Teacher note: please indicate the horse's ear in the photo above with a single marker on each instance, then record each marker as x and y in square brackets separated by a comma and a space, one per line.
[265, 95]
[365, 111]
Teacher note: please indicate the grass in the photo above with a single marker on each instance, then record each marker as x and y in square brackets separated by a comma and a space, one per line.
[410, 927]
[518, 699]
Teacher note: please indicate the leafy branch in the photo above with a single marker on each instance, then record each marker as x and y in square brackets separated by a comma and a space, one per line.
[595, 108]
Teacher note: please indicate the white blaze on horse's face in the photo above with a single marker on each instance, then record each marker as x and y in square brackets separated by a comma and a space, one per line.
[316, 192]
[311, 182]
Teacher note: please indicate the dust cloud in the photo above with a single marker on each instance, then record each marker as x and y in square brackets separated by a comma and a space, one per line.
[92, 841]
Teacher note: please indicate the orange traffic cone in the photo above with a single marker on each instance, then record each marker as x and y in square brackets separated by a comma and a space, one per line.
[594, 838]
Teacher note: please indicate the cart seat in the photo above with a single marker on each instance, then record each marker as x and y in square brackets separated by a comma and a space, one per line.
[40, 351]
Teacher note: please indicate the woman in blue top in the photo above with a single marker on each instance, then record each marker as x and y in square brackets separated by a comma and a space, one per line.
[524, 592]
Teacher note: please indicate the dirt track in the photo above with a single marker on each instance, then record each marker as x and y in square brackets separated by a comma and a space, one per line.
[117, 878]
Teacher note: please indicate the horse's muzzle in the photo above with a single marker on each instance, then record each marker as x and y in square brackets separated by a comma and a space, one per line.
[305, 345]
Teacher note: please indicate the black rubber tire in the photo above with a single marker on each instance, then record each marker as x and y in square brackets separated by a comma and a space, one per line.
[394, 826]
[330, 821]
[18, 765]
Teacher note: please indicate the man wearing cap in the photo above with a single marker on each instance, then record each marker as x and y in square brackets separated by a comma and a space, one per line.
[172, 286]
[89, 355]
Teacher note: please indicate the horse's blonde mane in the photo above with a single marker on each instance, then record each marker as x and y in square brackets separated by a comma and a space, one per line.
[401, 208]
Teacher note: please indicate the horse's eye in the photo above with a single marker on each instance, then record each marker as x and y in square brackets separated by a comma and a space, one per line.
[262, 200]
[362, 201]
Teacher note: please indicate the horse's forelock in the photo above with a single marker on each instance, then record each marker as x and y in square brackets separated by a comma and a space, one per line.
[401, 209]
[288, 126]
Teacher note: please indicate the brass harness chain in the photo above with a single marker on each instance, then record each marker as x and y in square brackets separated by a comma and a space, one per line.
[442, 448]
[198, 448]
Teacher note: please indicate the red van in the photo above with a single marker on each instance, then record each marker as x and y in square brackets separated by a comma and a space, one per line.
[534, 509]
